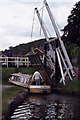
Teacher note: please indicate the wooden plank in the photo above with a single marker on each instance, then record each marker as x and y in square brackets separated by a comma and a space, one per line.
[34, 58]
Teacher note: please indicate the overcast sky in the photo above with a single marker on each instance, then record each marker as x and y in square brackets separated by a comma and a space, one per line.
[16, 18]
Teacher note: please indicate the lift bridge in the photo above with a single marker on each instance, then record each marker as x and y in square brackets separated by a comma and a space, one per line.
[56, 61]
[56, 64]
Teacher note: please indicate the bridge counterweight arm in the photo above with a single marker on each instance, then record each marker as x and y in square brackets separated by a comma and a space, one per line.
[58, 35]
[45, 34]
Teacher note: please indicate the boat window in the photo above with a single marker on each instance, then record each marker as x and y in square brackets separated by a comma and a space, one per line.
[15, 78]
[19, 79]
[12, 78]
[26, 80]
[22, 80]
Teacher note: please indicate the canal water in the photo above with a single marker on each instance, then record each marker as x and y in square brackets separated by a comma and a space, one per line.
[48, 107]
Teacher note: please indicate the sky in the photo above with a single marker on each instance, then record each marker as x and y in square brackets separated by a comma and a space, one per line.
[16, 18]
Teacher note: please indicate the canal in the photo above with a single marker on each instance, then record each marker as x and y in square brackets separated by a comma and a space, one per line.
[48, 107]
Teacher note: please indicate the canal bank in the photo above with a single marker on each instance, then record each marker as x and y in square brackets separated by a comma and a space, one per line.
[14, 103]
[11, 97]
[19, 99]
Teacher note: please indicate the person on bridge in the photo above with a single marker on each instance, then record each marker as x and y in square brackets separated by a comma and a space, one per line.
[37, 77]
[9, 58]
[9, 54]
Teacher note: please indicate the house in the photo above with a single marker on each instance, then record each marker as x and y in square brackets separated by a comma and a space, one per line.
[38, 51]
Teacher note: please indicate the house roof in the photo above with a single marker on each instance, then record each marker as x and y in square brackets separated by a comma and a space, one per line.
[36, 50]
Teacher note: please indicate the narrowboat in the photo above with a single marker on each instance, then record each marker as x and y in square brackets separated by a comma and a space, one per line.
[25, 81]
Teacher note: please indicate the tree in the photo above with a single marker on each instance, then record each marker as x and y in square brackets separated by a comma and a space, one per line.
[78, 59]
[72, 29]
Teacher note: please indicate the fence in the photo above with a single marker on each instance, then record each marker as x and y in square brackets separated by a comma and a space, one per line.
[15, 61]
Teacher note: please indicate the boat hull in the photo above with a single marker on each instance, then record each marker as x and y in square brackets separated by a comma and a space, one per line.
[40, 89]
[33, 88]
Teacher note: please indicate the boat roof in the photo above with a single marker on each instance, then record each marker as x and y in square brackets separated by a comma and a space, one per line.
[21, 75]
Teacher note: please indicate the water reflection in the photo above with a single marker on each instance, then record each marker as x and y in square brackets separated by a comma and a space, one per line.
[48, 107]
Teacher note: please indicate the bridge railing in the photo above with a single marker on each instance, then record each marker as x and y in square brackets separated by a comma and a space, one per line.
[15, 61]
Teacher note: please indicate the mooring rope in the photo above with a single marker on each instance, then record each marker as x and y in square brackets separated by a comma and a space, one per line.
[43, 6]
[32, 25]
[41, 15]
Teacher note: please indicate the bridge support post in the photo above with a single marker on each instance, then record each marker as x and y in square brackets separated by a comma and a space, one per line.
[25, 61]
[17, 62]
[7, 61]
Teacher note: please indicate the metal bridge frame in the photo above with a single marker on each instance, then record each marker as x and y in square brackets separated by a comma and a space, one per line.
[61, 59]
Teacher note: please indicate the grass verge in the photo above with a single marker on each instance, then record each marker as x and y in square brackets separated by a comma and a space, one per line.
[71, 87]
[8, 94]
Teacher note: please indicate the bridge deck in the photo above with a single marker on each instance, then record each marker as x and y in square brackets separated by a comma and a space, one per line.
[38, 65]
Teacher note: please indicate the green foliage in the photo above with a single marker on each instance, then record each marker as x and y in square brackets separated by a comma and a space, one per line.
[71, 87]
[6, 73]
[72, 48]
[78, 60]
[74, 52]
[26, 70]
[72, 29]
